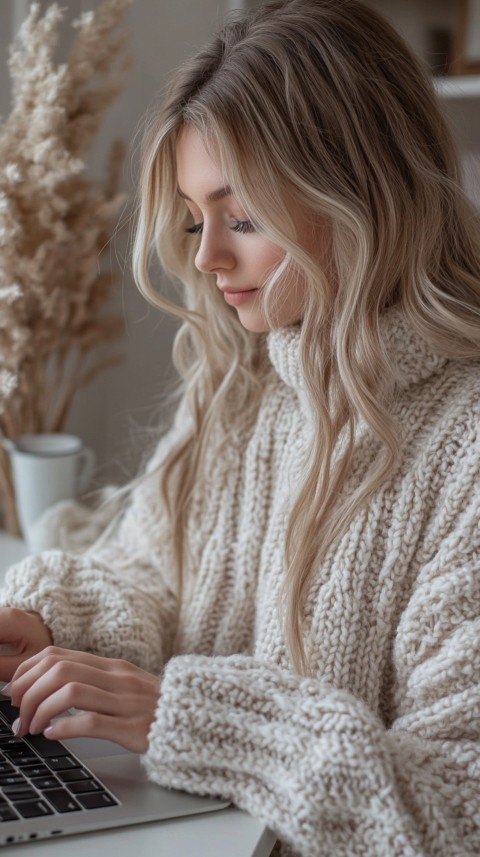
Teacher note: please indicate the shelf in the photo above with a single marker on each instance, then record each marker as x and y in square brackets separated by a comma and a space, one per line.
[460, 100]
[463, 86]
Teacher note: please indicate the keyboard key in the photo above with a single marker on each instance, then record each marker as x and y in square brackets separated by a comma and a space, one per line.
[62, 763]
[74, 775]
[44, 783]
[14, 789]
[19, 792]
[11, 779]
[96, 800]
[7, 814]
[21, 760]
[33, 808]
[62, 801]
[44, 747]
[10, 712]
[19, 748]
[6, 768]
[10, 741]
[84, 786]
[36, 771]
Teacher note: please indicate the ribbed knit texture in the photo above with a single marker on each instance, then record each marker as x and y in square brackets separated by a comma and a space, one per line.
[377, 753]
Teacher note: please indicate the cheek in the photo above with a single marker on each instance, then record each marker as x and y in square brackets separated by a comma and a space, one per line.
[265, 257]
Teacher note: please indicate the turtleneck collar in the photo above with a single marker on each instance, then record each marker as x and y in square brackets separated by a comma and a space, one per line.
[283, 350]
[413, 356]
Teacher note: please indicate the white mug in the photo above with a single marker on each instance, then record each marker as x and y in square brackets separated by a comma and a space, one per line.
[47, 468]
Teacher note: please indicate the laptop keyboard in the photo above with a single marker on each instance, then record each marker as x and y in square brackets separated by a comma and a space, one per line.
[40, 777]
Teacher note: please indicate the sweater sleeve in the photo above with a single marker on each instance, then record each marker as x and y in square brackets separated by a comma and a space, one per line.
[315, 765]
[319, 767]
[119, 598]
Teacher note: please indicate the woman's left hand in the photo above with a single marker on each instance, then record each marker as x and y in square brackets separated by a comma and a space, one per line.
[117, 700]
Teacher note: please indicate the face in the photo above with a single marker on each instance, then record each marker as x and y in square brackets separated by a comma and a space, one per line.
[229, 247]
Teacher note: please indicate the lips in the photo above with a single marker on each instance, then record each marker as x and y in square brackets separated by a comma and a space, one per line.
[234, 290]
[237, 297]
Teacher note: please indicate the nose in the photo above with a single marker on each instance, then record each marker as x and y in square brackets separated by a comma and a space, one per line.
[214, 253]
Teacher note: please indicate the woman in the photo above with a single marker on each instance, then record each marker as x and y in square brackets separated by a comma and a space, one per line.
[293, 588]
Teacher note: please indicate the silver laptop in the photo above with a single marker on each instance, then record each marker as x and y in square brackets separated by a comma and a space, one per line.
[51, 788]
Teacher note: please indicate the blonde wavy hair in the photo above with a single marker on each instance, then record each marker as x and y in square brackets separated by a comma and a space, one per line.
[321, 103]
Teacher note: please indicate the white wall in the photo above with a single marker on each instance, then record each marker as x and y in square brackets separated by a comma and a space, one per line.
[109, 413]
[112, 411]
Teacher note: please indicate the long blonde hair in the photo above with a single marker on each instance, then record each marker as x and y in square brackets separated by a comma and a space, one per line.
[320, 102]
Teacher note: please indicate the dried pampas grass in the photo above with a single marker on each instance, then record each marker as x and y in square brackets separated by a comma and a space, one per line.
[55, 222]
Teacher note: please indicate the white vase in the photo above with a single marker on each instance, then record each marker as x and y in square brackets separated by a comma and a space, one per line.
[47, 468]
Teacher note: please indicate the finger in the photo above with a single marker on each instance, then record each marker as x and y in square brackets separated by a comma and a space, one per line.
[33, 669]
[29, 671]
[24, 630]
[62, 674]
[9, 665]
[71, 695]
[16, 634]
[14, 624]
[94, 725]
[59, 670]
[51, 654]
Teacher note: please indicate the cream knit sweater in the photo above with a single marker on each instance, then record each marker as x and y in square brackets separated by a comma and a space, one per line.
[378, 754]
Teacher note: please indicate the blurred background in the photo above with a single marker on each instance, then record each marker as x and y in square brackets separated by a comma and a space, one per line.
[114, 413]
[111, 414]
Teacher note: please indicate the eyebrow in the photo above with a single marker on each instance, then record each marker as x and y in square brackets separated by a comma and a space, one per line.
[213, 196]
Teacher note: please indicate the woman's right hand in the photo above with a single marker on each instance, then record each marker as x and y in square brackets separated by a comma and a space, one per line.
[25, 634]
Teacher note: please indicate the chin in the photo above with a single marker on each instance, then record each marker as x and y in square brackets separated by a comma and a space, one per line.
[254, 325]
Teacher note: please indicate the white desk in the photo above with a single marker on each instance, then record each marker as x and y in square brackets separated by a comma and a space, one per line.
[227, 833]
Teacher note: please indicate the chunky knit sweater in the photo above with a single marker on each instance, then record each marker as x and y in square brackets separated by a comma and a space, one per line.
[378, 753]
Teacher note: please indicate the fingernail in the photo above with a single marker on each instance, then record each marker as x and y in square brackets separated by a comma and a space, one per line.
[48, 732]
[16, 726]
[6, 690]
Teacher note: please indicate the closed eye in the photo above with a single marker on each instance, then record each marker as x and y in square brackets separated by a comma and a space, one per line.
[242, 226]
[195, 229]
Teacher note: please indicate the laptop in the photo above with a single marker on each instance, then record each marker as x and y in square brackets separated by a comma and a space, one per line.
[53, 788]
